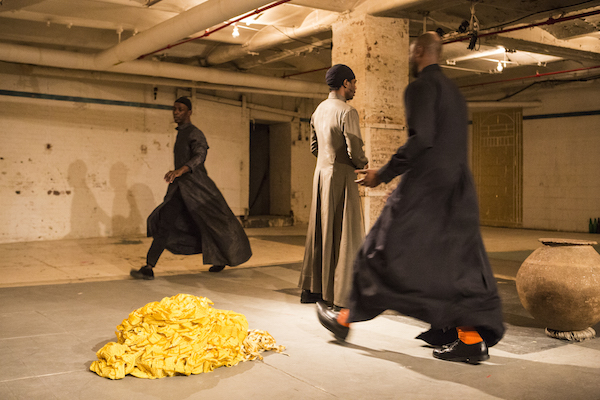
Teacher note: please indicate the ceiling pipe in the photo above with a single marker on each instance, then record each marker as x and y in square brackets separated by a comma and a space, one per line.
[381, 6]
[201, 17]
[319, 21]
[211, 75]
[119, 58]
[63, 59]
[268, 37]
[187, 23]
[549, 21]
[155, 81]
[536, 76]
[284, 54]
[209, 32]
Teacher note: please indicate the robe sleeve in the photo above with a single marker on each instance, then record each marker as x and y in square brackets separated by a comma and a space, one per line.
[354, 142]
[420, 99]
[198, 149]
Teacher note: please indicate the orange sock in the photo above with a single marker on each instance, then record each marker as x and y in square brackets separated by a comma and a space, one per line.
[468, 335]
[342, 318]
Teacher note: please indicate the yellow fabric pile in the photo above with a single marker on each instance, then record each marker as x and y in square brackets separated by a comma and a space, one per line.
[182, 334]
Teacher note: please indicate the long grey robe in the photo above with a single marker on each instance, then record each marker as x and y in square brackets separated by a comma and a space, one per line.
[207, 224]
[424, 257]
[336, 228]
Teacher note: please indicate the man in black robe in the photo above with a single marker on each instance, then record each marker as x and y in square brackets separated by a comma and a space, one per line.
[194, 217]
[424, 256]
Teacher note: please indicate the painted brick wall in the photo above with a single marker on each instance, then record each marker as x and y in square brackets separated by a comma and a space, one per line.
[73, 170]
[561, 162]
[303, 169]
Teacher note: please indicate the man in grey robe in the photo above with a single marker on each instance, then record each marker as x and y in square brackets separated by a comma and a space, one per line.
[424, 256]
[336, 227]
[194, 217]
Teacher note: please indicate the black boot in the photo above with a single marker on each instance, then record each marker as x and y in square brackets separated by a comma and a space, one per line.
[216, 268]
[143, 273]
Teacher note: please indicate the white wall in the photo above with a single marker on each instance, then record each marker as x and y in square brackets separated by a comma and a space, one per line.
[228, 161]
[73, 169]
[561, 160]
[303, 169]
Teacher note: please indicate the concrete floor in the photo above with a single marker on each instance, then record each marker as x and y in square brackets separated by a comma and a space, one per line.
[61, 301]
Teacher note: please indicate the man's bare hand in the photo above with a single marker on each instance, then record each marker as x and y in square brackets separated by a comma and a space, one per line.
[370, 178]
[172, 175]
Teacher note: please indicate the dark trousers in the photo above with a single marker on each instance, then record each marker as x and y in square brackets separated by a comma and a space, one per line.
[166, 225]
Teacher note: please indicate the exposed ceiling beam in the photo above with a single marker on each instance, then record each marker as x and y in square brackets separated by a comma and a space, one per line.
[271, 36]
[329, 5]
[282, 55]
[541, 47]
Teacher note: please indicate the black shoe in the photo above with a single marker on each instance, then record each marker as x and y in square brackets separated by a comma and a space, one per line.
[328, 318]
[309, 297]
[216, 268]
[460, 351]
[143, 273]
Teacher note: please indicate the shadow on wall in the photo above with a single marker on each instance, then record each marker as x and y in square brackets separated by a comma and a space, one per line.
[130, 208]
[87, 218]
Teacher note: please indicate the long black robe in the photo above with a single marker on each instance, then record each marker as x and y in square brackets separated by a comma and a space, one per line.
[207, 224]
[424, 256]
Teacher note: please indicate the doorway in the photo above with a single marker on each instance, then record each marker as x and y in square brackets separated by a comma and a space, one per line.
[498, 166]
[260, 191]
[270, 169]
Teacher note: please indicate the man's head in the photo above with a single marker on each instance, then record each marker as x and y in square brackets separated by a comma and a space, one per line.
[424, 51]
[182, 110]
[341, 79]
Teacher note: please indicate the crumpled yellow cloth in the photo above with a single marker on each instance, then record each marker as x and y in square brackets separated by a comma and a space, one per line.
[182, 334]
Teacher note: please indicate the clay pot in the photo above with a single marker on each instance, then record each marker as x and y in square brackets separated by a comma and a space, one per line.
[559, 284]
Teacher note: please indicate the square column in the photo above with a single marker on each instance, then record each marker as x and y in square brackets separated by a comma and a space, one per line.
[376, 49]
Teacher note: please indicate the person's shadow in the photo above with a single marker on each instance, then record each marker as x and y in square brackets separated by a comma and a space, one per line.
[131, 206]
[88, 219]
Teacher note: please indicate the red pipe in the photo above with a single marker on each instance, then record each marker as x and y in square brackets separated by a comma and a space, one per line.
[208, 32]
[532, 76]
[550, 21]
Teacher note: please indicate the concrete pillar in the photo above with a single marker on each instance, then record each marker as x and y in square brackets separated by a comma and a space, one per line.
[376, 49]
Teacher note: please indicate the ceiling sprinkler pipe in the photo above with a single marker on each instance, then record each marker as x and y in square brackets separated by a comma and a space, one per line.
[209, 32]
[198, 18]
[531, 76]
[550, 21]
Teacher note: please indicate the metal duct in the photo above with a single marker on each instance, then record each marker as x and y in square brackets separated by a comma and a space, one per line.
[119, 58]
[63, 59]
[199, 18]
[320, 21]
[270, 36]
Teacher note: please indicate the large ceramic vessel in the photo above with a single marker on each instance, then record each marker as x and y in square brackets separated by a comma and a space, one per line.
[559, 284]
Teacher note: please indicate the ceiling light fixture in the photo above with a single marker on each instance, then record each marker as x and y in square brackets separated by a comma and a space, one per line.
[500, 66]
[236, 31]
[473, 28]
